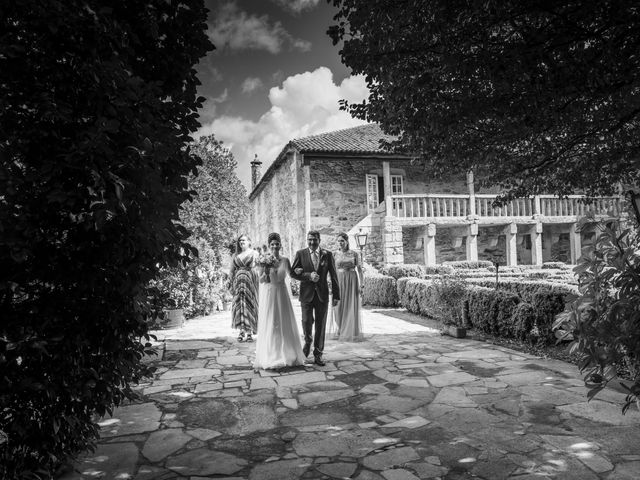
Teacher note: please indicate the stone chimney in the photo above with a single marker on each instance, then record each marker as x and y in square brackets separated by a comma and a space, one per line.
[255, 171]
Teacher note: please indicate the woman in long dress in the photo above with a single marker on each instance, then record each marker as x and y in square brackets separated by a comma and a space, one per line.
[346, 314]
[278, 343]
[244, 287]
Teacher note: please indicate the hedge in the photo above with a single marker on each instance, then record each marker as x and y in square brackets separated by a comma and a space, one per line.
[525, 289]
[503, 312]
[404, 270]
[491, 310]
[462, 264]
[380, 290]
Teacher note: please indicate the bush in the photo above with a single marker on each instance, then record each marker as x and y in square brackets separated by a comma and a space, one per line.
[98, 104]
[450, 294]
[438, 270]
[526, 289]
[380, 290]
[523, 321]
[547, 305]
[401, 284]
[463, 264]
[418, 297]
[491, 310]
[604, 319]
[555, 265]
[408, 270]
[295, 287]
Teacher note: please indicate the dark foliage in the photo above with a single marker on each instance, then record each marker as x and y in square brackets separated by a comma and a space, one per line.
[97, 104]
[533, 96]
[603, 322]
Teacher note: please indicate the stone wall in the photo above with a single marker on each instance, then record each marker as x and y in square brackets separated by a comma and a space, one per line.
[338, 197]
[275, 209]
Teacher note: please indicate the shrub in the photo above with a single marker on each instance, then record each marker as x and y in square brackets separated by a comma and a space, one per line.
[401, 283]
[523, 321]
[450, 293]
[491, 310]
[97, 113]
[463, 264]
[418, 297]
[525, 289]
[604, 319]
[438, 270]
[380, 290]
[555, 265]
[295, 287]
[547, 305]
[408, 270]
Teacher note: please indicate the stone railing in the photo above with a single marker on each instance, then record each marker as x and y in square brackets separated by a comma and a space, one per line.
[444, 206]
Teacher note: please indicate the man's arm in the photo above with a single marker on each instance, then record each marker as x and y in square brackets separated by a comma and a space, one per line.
[297, 263]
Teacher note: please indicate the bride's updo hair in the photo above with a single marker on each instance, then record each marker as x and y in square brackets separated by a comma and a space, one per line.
[273, 236]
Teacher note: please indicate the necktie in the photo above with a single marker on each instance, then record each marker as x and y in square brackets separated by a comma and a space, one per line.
[314, 258]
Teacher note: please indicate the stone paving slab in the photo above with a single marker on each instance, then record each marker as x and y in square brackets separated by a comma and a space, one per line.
[405, 404]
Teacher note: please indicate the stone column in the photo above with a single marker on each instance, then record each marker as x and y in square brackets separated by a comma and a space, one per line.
[392, 249]
[306, 179]
[575, 243]
[386, 179]
[472, 193]
[511, 234]
[536, 244]
[472, 243]
[429, 244]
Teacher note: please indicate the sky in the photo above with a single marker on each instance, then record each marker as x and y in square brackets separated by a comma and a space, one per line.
[274, 76]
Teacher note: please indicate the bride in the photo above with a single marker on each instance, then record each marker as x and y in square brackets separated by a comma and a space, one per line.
[278, 342]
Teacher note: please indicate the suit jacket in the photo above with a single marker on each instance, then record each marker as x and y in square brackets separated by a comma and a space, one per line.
[326, 266]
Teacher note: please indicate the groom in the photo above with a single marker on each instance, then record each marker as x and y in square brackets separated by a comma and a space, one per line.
[311, 266]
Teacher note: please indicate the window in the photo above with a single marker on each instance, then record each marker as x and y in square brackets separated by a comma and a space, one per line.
[372, 193]
[396, 189]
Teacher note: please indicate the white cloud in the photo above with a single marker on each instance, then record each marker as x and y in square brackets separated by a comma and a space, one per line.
[251, 84]
[305, 104]
[235, 29]
[297, 6]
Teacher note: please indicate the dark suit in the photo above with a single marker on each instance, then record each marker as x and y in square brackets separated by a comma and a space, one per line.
[314, 296]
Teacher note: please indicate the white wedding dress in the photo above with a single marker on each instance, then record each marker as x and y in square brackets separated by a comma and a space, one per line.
[279, 342]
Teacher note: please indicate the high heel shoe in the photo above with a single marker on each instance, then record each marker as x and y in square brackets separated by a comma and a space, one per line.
[249, 338]
[241, 337]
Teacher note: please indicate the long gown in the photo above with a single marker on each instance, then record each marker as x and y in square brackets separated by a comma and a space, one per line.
[347, 318]
[244, 309]
[279, 342]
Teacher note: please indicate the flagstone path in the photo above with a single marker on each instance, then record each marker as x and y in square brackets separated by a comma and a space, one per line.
[405, 404]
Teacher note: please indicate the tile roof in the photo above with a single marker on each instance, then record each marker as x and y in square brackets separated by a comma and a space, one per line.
[362, 139]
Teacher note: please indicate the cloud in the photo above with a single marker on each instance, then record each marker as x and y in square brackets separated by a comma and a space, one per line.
[210, 107]
[251, 84]
[297, 6]
[304, 104]
[235, 29]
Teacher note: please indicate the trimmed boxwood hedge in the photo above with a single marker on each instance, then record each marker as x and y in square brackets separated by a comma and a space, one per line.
[461, 264]
[404, 270]
[517, 311]
[380, 290]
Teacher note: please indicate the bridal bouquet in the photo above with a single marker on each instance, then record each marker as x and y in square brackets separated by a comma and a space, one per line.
[267, 261]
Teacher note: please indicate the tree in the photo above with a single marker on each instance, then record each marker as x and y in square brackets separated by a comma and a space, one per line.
[215, 216]
[535, 96]
[97, 105]
[221, 207]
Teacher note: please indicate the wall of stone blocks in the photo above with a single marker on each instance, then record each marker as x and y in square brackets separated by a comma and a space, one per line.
[275, 209]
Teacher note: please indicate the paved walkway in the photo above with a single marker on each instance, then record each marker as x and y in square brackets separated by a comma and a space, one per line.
[405, 404]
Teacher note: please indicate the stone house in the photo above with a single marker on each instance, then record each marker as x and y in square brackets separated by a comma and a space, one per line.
[343, 181]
